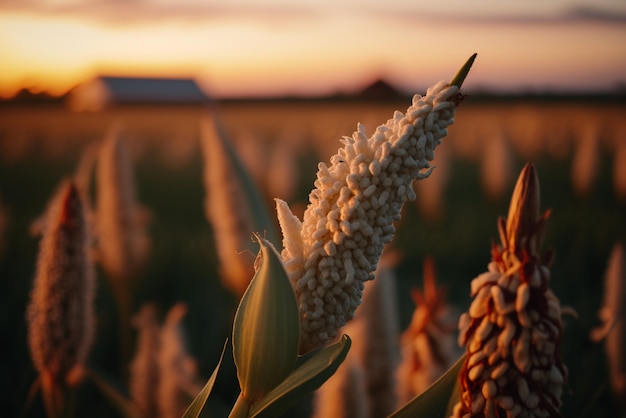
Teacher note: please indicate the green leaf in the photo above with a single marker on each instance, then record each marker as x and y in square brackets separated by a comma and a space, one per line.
[266, 330]
[241, 409]
[302, 381]
[124, 405]
[195, 408]
[455, 397]
[433, 403]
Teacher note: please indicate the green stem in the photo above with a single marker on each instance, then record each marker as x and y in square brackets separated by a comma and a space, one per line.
[460, 76]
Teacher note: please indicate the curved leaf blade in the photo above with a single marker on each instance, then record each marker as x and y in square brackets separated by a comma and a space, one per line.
[266, 329]
[433, 403]
[302, 381]
[195, 408]
[124, 405]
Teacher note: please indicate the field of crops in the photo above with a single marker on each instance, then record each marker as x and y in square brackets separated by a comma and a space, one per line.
[579, 150]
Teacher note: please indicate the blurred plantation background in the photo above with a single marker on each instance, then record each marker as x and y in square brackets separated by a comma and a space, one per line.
[577, 146]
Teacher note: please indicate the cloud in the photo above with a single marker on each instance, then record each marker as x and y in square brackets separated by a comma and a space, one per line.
[502, 16]
[282, 12]
[124, 12]
[597, 15]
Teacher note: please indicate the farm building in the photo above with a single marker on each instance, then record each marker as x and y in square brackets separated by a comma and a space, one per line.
[107, 91]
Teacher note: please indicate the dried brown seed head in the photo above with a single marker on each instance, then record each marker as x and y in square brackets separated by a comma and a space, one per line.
[523, 214]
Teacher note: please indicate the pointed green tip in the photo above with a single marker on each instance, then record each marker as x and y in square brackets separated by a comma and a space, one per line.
[460, 76]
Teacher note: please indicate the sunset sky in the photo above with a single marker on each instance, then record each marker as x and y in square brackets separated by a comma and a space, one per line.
[256, 47]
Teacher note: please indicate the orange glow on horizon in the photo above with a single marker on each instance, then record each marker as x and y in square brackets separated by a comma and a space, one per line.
[231, 56]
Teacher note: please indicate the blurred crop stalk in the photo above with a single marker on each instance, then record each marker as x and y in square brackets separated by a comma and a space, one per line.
[123, 244]
[163, 375]
[495, 166]
[619, 169]
[375, 336]
[122, 241]
[178, 371]
[4, 227]
[345, 394]
[428, 346]
[613, 329]
[144, 372]
[253, 150]
[229, 207]
[283, 174]
[60, 314]
[83, 176]
[431, 194]
[585, 162]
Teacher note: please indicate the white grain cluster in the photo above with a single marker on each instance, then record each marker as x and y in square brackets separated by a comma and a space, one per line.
[512, 333]
[350, 217]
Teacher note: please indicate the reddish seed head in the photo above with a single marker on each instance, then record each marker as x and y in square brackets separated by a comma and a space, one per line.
[60, 316]
[69, 207]
[523, 210]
